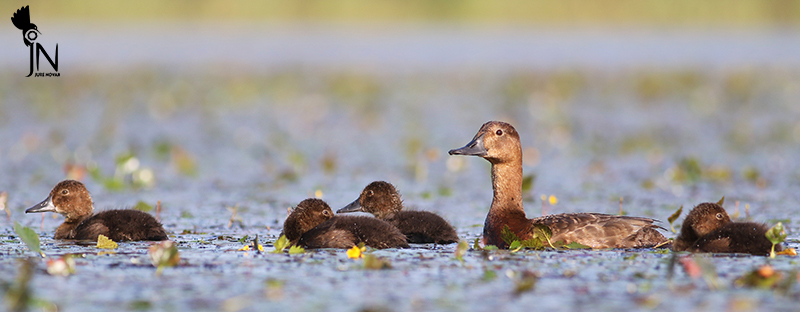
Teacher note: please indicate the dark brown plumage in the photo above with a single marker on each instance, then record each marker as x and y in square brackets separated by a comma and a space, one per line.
[708, 228]
[498, 142]
[71, 199]
[313, 225]
[421, 227]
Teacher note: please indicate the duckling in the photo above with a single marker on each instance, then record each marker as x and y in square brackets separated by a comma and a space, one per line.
[498, 142]
[312, 225]
[71, 199]
[708, 228]
[420, 227]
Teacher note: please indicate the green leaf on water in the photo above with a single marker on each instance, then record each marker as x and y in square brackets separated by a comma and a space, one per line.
[489, 275]
[281, 244]
[490, 247]
[296, 250]
[29, 237]
[142, 206]
[508, 236]
[515, 246]
[244, 239]
[576, 245]
[461, 250]
[675, 216]
[721, 201]
[775, 235]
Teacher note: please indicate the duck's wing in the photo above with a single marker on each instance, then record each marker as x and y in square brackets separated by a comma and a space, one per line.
[599, 230]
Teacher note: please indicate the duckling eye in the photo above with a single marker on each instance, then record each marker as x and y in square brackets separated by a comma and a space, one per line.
[499, 132]
[370, 193]
[719, 216]
[64, 192]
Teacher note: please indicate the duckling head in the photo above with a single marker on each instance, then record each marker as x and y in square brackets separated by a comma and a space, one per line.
[496, 141]
[69, 198]
[379, 198]
[308, 214]
[705, 218]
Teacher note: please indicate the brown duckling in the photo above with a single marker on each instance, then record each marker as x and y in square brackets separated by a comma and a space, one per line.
[71, 199]
[420, 227]
[312, 225]
[708, 228]
[498, 142]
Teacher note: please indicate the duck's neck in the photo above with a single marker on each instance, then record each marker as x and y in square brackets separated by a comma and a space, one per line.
[507, 187]
[507, 210]
[66, 229]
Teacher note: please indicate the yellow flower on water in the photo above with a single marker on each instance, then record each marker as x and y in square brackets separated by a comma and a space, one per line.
[105, 243]
[355, 252]
[553, 200]
[318, 194]
[247, 248]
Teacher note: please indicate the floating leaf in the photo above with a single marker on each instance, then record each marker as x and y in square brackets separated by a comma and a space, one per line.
[29, 237]
[721, 201]
[281, 244]
[508, 236]
[675, 216]
[104, 242]
[490, 247]
[787, 252]
[525, 283]
[142, 206]
[164, 254]
[775, 235]
[372, 262]
[461, 250]
[63, 266]
[576, 245]
[489, 275]
[295, 250]
[764, 277]
[515, 246]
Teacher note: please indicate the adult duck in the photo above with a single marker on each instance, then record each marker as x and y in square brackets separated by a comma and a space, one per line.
[498, 142]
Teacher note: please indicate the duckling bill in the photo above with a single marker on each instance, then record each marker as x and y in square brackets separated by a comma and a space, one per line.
[382, 200]
[312, 225]
[708, 228]
[498, 142]
[72, 200]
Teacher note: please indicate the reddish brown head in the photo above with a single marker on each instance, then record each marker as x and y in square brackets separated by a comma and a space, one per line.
[496, 141]
[308, 214]
[378, 198]
[68, 198]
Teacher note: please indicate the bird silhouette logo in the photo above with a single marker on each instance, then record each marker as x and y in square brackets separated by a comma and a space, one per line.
[22, 20]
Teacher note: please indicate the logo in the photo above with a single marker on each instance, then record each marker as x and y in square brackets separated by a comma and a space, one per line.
[22, 20]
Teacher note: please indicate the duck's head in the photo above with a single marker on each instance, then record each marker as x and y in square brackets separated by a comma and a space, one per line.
[496, 141]
[308, 214]
[378, 198]
[69, 198]
[705, 218]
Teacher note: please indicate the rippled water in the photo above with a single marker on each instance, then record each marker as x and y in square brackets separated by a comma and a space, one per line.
[262, 141]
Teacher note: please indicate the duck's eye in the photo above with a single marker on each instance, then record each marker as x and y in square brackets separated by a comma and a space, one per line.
[64, 192]
[325, 212]
[719, 216]
[499, 132]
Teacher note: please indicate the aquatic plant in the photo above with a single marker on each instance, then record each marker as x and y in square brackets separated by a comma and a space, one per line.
[29, 237]
[775, 235]
[103, 242]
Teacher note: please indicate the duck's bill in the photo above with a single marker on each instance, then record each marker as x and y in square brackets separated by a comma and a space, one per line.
[352, 207]
[45, 206]
[473, 148]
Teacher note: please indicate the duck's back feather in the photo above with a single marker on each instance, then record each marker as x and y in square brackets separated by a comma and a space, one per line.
[736, 237]
[423, 227]
[347, 231]
[121, 225]
[599, 230]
